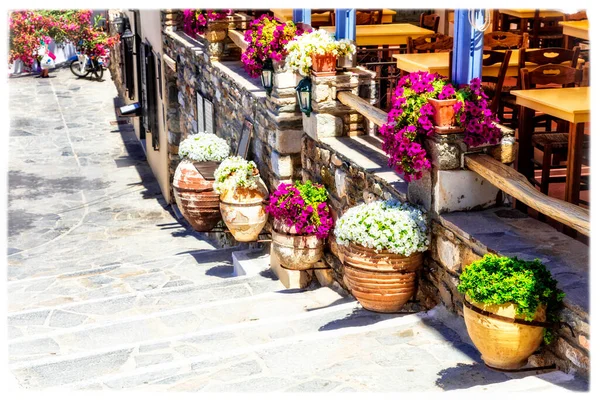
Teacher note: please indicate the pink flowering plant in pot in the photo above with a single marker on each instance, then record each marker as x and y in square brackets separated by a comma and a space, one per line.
[302, 222]
[411, 119]
[266, 39]
[195, 21]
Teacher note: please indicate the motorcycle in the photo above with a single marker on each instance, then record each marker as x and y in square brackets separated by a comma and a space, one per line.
[81, 65]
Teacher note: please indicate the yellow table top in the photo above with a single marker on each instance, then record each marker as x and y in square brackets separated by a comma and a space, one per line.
[570, 104]
[578, 29]
[285, 14]
[388, 34]
[521, 13]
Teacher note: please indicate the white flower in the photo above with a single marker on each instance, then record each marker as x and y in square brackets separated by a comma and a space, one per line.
[235, 172]
[384, 225]
[204, 147]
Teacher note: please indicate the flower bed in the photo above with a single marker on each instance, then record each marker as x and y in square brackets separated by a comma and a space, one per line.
[411, 119]
[267, 38]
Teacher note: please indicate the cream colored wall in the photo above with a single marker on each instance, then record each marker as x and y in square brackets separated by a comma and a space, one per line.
[158, 159]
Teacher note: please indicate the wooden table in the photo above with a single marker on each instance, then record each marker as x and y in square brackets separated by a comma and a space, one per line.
[285, 14]
[388, 34]
[570, 104]
[525, 15]
[575, 29]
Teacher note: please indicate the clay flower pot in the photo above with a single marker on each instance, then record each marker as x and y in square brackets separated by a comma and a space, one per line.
[381, 282]
[323, 65]
[195, 196]
[503, 345]
[294, 251]
[243, 212]
[444, 112]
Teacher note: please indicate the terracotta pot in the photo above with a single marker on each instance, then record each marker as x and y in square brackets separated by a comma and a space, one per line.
[297, 252]
[243, 212]
[323, 65]
[503, 345]
[383, 281]
[195, 197]
[444, 112]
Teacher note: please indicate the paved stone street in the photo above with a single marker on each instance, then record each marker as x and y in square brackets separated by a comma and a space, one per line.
[108, 290]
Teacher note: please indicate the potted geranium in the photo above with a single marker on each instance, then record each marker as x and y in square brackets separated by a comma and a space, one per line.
[423, 101]
[316, 51]
[242, 194]
[209, 24]
[301, 223]
[193, 179]
[507, 302]
[383, 244]
[266, 40]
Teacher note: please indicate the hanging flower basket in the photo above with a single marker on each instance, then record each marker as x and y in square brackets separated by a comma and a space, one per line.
[444, 114]
[323, 65]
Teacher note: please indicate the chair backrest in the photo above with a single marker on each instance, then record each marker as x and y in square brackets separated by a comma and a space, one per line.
[492, 57]
[551, 55]
[369, 16]
[550, 74]
[429, 21]
[436, 42]
[545, 27]
[498, 40]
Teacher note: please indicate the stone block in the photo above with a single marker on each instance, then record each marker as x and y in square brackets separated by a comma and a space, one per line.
[462, 190]
[319, 126]
[289, 278]
[286, 141]
[444, 154]
[419, 192]
[282, 165]
[340, 182]
[448, 254]
[321, 93]
[284, 80]
[250, 261]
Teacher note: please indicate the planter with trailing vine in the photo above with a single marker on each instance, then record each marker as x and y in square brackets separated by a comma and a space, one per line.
[193, 180]
[301, 223]
[242, 197]
[383, 244]
[509, 306]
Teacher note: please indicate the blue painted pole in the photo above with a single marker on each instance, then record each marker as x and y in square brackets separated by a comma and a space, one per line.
[467, 54]
[301, 15]
[345, 23]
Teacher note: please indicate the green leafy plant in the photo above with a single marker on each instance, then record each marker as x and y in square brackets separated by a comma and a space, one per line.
[495, 280]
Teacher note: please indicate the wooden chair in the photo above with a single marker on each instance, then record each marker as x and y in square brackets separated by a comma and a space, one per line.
[546, 31]
[492, 83]
[433, 43]
[549, 143]
[498, 40]
[369, 16]
[429, 21]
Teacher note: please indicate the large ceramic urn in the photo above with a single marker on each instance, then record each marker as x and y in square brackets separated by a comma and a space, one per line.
[194, 194]
[500, 335]
[380, 281]
[295, 251]
[243, 211]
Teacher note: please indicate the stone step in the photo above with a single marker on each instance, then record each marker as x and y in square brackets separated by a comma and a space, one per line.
[339, 348]
[43, 321]
[150, 327]
[120, 279]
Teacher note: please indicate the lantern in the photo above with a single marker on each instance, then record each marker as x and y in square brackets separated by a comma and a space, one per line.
[128, 38]
[119, 25]
[266, 76]
[304, 95]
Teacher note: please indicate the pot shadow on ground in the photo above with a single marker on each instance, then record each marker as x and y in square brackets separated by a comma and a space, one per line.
[359, 317]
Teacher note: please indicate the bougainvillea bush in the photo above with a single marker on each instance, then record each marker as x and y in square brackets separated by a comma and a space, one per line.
[266, 39]
[196, 21]
[411, 119]
[302, 206]
[30, 27]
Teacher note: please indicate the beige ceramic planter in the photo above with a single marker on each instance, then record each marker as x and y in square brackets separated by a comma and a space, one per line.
[195, 197]
[297, 252]
[243, 212]
[383, 281]
[503, 345]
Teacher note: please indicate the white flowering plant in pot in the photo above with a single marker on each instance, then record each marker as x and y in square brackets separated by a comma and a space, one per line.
[204, 147]
[384, 225]
[318, 42]
[236, 172]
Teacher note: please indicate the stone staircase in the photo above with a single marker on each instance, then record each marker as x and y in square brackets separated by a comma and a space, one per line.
[212, 331]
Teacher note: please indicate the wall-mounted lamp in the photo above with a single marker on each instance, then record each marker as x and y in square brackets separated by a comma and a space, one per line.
[266, 76]
[304, 95]
[128, 38]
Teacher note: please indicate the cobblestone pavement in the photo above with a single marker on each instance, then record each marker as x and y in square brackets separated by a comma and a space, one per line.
[107, 290]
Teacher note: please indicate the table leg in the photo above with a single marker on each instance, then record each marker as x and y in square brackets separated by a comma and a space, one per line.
[524, 165]
[523, 25]
[569, 42]
[574, 163]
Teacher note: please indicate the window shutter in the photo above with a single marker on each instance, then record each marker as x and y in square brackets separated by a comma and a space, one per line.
[143, 69]
[152, 97]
